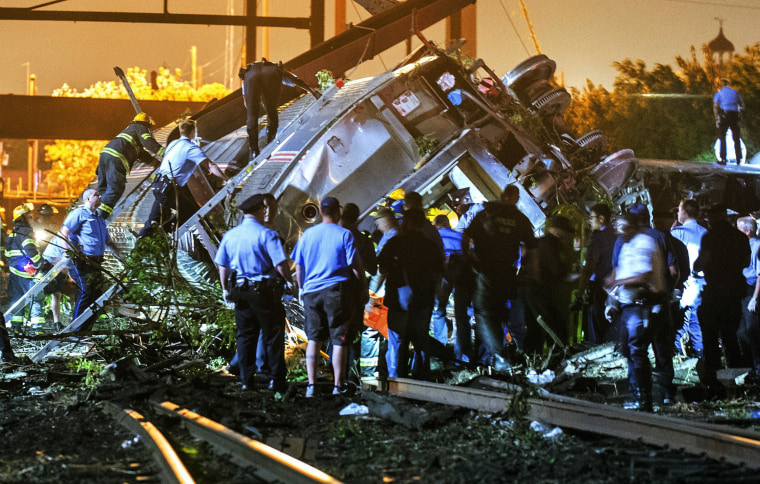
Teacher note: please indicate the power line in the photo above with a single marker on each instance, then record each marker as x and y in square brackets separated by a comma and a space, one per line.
[514, 27]
[716, 4]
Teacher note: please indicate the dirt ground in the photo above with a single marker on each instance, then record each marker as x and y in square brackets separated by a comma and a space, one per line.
[53, 429]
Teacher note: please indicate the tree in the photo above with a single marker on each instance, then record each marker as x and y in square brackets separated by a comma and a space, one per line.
[73, 162]
[667, 114]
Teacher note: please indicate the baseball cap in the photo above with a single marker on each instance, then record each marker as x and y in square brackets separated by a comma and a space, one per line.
[329, 203]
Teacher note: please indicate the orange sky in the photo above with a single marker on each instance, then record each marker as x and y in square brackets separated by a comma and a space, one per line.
[584, 37]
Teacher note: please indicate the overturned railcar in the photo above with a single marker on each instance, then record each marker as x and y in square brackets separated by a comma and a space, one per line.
[424, 126]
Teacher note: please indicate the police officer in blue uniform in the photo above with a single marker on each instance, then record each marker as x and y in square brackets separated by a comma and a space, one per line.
[252, 266]
[84, 232]
[727, 105]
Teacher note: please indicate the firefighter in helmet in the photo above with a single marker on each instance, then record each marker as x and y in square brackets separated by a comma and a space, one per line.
[23, 257]
[117, 158]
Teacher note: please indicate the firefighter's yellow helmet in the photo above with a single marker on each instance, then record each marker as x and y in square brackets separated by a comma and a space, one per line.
[22, 209]
[144, 118]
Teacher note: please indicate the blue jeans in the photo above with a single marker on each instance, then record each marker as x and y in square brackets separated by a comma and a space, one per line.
[405, 327]
[691, 325]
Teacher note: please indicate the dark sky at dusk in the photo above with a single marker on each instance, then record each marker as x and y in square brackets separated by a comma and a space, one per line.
[584, 37]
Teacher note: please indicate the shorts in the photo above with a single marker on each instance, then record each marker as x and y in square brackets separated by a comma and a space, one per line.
[328, 313]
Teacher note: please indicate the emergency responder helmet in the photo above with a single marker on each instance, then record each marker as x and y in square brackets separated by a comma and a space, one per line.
[144, 118]
[46, 209]
[22, 209]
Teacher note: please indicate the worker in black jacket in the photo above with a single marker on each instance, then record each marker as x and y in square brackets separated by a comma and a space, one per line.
[262, 83]
[118, 157]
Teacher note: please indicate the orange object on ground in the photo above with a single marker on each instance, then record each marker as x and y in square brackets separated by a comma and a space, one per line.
[377, 317]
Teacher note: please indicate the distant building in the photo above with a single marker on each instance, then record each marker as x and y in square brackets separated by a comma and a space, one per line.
[721, 47]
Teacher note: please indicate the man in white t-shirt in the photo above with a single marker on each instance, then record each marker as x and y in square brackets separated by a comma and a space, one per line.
[640, 287]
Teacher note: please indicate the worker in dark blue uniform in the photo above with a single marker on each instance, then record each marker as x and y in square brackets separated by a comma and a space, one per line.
[262, 82]
[452, 248]
[252, 268]
[413, 264]
[24, 259]
[85, 235]
[117, 158]
[598, 265]
[493, 240]
[724, 254]
[727, 106]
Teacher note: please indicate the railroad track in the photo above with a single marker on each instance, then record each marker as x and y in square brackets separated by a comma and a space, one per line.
[266, 463]
[723, 443]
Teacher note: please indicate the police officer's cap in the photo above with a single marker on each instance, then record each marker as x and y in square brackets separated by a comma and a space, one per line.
[252, 204]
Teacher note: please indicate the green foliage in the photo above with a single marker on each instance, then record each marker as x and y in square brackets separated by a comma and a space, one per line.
[325, 79]
[425, 145]
[667, 114]
[74, 161]
[93, 369]
[175, 308]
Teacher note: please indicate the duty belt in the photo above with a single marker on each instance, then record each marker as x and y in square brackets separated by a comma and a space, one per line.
[255, 283]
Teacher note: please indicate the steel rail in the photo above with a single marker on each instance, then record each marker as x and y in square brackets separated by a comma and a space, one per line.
[739, 447]
[172, 468]
[270, 464]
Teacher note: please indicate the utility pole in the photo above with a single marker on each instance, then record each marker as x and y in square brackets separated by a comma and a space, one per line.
[32, 146]
[194, 65]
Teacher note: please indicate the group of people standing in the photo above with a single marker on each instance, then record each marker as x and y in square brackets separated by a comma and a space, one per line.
[691, 283]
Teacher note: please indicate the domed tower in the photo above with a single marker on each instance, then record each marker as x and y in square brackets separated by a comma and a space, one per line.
[720, 46]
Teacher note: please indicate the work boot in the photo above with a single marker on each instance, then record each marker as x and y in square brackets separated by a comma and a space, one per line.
[632, 400]
[644, 382]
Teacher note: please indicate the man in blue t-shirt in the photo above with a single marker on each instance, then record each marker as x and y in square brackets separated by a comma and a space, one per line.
[325, 256]
[727, 106]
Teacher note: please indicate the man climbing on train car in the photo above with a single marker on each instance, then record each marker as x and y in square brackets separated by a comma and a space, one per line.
[118, 157]
[262, 83]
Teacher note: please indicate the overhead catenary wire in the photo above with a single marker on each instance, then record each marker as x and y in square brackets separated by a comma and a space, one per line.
[514, 27]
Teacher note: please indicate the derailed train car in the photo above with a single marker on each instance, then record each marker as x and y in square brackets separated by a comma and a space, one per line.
[432, 126]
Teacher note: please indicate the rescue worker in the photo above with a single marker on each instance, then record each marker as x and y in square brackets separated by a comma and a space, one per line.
[50, 247]
[118, 157]
[366, 251]
[6, 350]
[452, 246]
[262, 83]
[325, 256]
[413, 266]
[724, 253]
[543, 277]
[690, 233]
[598, 265]
[749, 330]
[252, 266]
[24, 260]
[638, 282]
[170, 190]
[727, 106]
[662, 336]
[85, 234]
[494, 239]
